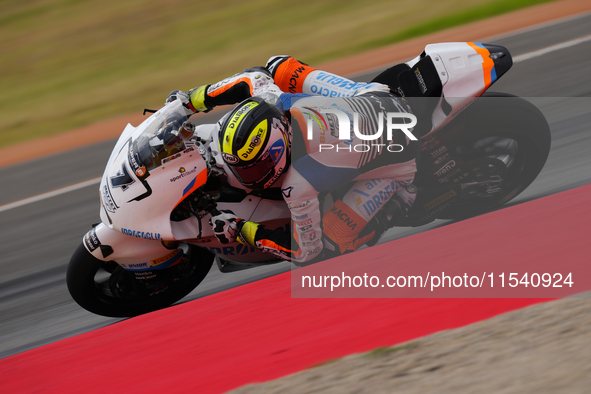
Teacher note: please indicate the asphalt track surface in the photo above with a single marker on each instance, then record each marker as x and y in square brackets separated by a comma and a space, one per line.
[39, 238]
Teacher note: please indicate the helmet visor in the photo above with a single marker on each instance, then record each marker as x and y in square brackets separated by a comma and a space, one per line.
[257, 172]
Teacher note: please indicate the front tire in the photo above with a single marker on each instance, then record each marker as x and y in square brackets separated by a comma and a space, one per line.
[90, 283]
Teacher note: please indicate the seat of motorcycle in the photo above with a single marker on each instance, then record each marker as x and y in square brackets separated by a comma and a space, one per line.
[421, 82]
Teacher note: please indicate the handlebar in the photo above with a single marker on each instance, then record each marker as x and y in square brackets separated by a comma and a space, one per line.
[203, 202]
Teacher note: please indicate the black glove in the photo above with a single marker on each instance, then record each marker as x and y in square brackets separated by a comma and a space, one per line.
[185, 100]
[225, 226]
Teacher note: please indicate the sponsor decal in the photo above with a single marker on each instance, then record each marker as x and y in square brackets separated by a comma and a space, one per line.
[108, 201]
[228, 158]
[460, 177]
[311, 243]
[145, 275]
[122, 179]
[287, 192]
[446, 168]
[231, 250]
[135, 164]
[315, 251]
[138, 265]
[295, 76]
[378, 198]
[233, 125]
[309, 235]
[140, 172]
[91, 240]
[277, 150]
[300, 217]
[427, 218]
[171, 158]
[183, 173]
[441, 159]
[422, 83]
[303, 204]
[169, 258]
[438, 151]
[133, 158]
[439, 200]
[256, 138]
[343, 217]
[141, 234]
[274, 179]
[304, 223]
[331, 85]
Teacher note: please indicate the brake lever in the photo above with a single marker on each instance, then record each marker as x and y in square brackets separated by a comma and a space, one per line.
[202, 202]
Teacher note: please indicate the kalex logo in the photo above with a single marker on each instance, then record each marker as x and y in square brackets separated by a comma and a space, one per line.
[345, 129]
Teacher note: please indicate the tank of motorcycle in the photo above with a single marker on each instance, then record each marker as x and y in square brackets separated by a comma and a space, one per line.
[151, 169]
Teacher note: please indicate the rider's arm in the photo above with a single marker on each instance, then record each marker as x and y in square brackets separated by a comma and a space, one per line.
[293, 76]
[281, 74]
[304, 242]
[250, 82]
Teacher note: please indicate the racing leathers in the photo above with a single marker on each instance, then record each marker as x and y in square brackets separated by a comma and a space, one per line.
[334, 186]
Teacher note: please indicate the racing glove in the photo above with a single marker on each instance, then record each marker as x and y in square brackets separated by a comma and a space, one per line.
[193, 101]
[226, 226]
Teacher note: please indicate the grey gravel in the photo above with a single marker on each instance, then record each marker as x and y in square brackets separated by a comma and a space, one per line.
[545, 348]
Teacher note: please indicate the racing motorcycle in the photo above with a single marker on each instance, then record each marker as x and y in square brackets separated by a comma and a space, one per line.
[166, 177]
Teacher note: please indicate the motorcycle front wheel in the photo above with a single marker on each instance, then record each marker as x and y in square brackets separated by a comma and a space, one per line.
[505, 138]
[104, 288]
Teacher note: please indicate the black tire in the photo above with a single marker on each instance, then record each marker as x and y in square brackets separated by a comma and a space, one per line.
[95, 295]
[503, 122]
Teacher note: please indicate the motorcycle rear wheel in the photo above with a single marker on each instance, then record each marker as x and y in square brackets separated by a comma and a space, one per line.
[89, 282]
[505, 129]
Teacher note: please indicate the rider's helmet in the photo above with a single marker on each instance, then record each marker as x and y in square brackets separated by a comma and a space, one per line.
[255, 142]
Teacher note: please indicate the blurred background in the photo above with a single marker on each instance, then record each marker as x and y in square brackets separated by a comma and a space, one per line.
[69, 63]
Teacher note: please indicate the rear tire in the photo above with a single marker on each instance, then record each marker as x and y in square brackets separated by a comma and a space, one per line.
[507, 128]
[94, 294]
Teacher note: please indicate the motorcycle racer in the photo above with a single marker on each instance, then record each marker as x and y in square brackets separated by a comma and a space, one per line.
[284, 133]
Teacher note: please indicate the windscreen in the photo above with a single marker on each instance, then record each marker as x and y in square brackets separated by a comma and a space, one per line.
[162, 137]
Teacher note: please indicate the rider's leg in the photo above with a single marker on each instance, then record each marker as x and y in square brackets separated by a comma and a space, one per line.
[346, 222]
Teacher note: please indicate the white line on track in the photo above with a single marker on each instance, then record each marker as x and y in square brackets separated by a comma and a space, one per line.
[67, 189]
[50, 194]
[539, 26]
[551, 48]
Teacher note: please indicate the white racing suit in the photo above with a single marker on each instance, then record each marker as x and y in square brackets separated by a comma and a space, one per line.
[362, 173]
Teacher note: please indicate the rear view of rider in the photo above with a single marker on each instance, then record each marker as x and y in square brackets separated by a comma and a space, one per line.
[285, 134]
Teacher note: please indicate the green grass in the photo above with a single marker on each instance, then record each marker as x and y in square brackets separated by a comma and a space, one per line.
[68, 63]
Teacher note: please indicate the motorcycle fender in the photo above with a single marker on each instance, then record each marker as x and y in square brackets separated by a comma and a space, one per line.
[130, 252]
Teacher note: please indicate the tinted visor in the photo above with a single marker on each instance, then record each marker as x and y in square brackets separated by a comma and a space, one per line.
[257, 172]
